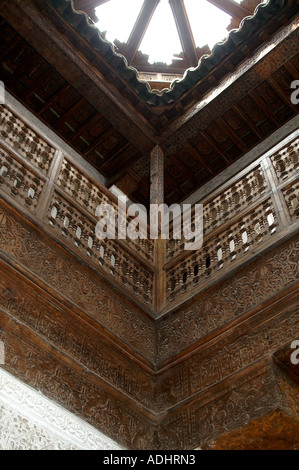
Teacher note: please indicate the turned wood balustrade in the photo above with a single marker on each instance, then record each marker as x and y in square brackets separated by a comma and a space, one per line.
[245, 216]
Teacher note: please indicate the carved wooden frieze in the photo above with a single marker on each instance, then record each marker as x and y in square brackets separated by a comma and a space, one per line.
[74, 283]
[63, 330]
[77, 318]
[221, 359]
[248, 289]
[224, 409]
[39, 366]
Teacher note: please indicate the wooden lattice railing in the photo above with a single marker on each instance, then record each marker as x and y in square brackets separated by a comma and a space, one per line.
[61, 197]
[248, 214]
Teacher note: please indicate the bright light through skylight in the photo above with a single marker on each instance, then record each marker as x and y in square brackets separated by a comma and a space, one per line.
[208, 22]
[117, 18]
[161, 41]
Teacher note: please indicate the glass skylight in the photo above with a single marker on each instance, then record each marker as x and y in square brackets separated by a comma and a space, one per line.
[208, 23]
[161, 40]
[117, 18]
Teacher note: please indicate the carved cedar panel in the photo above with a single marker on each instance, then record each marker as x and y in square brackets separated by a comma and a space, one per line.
[25, 141]
[224, 358]
[84, 290]
[216, 307]
[26, 303]
[229, 407]
[67, 384]
[18, 181]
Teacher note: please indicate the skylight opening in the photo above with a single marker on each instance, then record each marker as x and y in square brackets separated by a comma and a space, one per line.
[161, 40]
[208, 23]
[117, 18]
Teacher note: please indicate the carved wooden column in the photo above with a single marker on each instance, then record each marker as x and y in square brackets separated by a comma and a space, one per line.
[157, 197]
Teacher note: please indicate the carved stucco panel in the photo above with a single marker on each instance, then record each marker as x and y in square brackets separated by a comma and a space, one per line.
[30, 421]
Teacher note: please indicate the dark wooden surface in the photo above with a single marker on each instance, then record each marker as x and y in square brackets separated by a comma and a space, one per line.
[214, 369]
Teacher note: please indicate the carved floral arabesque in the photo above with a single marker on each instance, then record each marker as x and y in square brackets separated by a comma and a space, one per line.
[229, 356]
[61, 330]
[249, 288]
[75, 283]
[73, 390]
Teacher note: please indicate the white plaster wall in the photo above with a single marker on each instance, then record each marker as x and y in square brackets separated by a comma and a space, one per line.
[30, 421]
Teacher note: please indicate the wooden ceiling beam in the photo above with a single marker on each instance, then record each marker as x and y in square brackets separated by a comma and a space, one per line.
[29, 19]
[58, 94]
[60, 121]
[214, 146]
[107, 133]
[185, 32]
[139, 28]
[262, 105]
[231, 8]
[291, 69]
[234, 137]
[87, 124]
[196, 155]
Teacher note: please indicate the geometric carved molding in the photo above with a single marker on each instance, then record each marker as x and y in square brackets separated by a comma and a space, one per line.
[31, 421]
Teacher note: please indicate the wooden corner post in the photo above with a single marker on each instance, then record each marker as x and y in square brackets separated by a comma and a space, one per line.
[157, 198]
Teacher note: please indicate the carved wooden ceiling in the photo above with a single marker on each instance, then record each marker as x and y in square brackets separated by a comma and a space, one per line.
[54, 69]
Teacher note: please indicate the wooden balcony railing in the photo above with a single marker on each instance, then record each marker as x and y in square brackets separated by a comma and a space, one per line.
[248, 214]
[62, 198]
